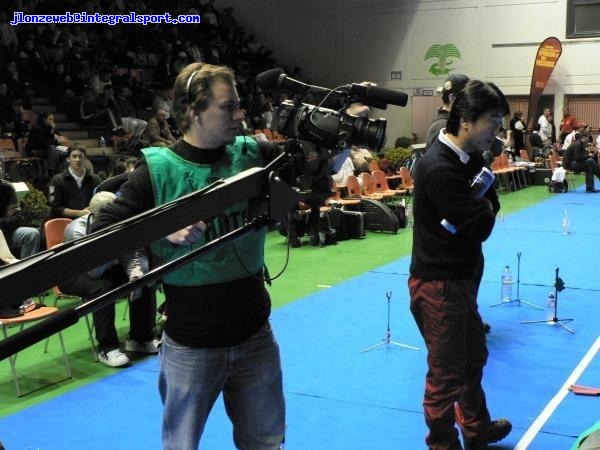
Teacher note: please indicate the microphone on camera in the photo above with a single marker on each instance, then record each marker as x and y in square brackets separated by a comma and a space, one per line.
[277, 79]
[363, 93]
[376, 96]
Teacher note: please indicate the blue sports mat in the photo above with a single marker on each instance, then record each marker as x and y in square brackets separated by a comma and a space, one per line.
[339, 397]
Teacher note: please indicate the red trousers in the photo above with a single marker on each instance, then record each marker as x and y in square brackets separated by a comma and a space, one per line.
[447, 316]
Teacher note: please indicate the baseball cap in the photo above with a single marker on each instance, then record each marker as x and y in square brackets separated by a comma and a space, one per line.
[99, 200]
[454, 83]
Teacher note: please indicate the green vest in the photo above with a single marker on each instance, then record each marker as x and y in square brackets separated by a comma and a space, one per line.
[173, 177]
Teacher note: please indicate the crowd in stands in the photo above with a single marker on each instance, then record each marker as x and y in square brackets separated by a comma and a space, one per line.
[115, 78]
[119, 77]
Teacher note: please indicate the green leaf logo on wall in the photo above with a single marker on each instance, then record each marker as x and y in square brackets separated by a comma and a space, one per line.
[446, 55]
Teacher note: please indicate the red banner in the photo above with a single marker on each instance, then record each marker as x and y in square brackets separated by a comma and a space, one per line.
[545, 61]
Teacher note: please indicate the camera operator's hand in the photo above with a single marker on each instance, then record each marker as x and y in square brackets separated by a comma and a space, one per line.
[188, 235]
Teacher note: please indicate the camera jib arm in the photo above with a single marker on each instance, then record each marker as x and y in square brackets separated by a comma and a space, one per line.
[267, 195]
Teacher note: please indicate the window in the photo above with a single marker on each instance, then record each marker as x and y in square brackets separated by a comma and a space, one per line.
[583, 18]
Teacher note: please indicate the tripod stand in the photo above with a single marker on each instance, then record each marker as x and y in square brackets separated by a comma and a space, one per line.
[517, 300]
[387, 339]
[559, 285]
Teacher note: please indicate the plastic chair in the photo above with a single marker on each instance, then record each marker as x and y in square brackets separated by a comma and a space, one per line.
[381, 184]
[407, 180]
[54, 233]
[337, 200]
[353, 187]
[28, 317]
[368, 188]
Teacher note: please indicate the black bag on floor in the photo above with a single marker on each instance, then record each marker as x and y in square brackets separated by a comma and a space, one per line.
[400, 212]
[351, 225]
[378, 216]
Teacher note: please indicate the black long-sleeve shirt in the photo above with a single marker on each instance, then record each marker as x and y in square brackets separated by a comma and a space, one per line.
[65, 193]
[442, 191]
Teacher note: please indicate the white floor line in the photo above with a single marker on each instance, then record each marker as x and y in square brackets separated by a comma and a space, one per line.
[539, 422]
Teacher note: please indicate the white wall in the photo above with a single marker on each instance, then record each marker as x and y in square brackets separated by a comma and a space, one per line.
[341, 41]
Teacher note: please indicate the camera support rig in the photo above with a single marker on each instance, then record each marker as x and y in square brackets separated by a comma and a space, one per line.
[268, 197]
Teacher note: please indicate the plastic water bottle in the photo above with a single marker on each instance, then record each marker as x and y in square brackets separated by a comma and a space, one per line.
[409, 215]
[566, 223]
[101, 142]
[506, 285]
[551, 305]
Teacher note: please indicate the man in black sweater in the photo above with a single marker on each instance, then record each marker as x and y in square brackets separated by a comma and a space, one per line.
[444, 267]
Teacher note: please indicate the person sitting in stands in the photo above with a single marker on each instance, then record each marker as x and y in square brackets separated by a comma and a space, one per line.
[71, 190]
[92, 284]
[158, 131]
[93, 113]
[131, 124]
[26, 239]
[577, 157]
[46, 142]
[8, 115]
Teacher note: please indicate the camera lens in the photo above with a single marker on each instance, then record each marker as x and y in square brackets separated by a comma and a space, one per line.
[364, 132]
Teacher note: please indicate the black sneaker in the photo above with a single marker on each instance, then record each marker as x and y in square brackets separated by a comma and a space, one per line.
[498, 430]
[592, 189]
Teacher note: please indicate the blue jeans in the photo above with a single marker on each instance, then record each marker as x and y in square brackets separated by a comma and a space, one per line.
[248, 375]
[27, 239]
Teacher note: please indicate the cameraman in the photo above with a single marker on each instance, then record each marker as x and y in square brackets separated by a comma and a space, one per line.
[217, 338]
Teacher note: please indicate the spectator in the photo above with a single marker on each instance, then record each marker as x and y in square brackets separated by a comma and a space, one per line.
[46, 142]
[25, 239]
[61, 87]
[545, 130]
[106, 102]
[142, 306]
[517, 126]
[577, 157]
[99, 80]
[9, 42]
[92, 113]
[567, 125]
[9, 122]
[131, 124]
[158, 132]
[71, 190]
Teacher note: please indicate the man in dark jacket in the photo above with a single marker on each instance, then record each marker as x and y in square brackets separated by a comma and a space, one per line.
[578, 158]
[452, 85]
[444, 269]
[73, 188]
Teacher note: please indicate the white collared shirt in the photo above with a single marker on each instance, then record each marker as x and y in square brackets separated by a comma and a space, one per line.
[78, 180]
[464, 156]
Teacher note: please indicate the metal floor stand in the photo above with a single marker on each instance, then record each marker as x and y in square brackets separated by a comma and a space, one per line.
[387, 339]
[559, 285]
[518, 300]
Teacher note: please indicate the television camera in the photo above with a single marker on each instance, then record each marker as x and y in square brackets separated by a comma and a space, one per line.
[316, 134]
